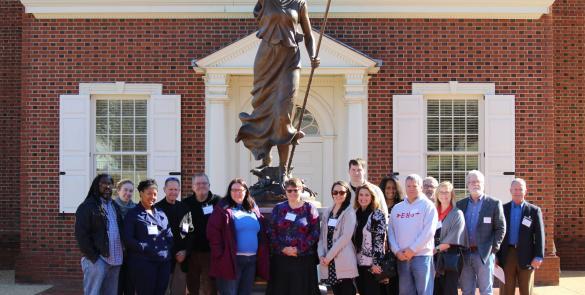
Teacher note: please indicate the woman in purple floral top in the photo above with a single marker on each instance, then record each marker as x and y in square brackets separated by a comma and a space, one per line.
[294, 233]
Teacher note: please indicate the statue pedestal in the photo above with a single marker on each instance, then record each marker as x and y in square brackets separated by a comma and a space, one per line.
[269, 191]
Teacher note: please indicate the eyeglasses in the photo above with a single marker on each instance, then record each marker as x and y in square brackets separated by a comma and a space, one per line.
[290, 191]
[341, 193]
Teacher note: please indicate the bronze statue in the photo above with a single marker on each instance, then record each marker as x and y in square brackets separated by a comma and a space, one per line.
[276, 81]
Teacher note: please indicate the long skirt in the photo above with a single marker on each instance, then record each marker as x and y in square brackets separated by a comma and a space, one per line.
[276, 82]
[293, 276]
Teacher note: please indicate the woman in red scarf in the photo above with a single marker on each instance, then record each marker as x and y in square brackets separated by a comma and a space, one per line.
[450, 239]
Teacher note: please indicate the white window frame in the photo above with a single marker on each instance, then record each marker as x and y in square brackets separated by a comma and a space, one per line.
[481, 131]
[498, 121]
[163, 154]
[455, 90]
[92, 142]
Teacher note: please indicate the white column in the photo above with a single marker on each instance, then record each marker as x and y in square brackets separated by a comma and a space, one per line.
[328, 168]
[216, 98]
[356, 106]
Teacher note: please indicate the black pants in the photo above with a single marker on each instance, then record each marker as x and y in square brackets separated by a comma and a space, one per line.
[150, 277]
[390, 288]
[125, 281]
[367, 283]
[446, 284]
[293, 276]
[345, 287]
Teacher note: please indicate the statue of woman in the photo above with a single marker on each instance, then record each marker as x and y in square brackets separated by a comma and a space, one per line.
[276, 79]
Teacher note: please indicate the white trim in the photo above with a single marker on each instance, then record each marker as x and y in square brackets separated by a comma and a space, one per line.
[120, 88]
[336, 58]
[216, 134]
[356, 108]
[453, 87]
[495, 9]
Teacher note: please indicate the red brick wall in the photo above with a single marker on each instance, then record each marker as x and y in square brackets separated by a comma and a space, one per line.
[59, 54]
[569, 65]
[515, 55]
[10, 43]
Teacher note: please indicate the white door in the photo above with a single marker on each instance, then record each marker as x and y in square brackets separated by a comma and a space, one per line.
[308, 158]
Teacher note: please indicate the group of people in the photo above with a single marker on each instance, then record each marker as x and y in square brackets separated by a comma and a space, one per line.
[371, 240]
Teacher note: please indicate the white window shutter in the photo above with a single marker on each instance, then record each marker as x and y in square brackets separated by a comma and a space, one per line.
[499, 145]
[408, 136]
[164, 139]
[74, 151]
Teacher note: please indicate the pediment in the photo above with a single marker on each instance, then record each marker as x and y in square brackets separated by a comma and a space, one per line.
[336, 58]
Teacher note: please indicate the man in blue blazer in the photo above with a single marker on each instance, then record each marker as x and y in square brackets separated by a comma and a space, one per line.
[486, 227]
[523, 246]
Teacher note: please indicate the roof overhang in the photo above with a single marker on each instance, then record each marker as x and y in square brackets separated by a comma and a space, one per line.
[475, 9]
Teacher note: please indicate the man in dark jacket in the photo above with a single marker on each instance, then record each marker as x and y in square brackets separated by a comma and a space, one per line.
[486, 227]
[175, 211]
[200, 205]
[523, 246]
[98, 222]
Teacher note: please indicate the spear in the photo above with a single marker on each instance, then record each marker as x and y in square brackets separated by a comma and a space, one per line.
[292, 153]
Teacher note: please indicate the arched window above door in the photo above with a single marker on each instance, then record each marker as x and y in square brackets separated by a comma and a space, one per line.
[309, 125]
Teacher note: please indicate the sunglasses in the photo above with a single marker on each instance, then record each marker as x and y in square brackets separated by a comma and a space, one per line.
[341, 193]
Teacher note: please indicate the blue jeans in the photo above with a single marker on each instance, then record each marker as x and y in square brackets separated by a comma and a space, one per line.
[245, 275]
[416, 276]
[99, 277]
[476, 273]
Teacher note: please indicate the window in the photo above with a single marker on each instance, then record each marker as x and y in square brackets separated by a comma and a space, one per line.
[121, 138]
[452, 139]
[309, 125]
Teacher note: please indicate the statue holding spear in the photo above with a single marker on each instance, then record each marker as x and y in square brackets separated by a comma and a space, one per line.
[283, 24]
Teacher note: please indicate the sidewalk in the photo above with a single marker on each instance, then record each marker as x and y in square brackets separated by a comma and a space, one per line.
[572, 283]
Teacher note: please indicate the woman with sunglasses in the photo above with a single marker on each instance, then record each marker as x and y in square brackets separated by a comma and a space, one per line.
[338, 264]
[294, 233]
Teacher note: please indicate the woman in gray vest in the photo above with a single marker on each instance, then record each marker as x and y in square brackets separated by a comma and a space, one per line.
[450, 239]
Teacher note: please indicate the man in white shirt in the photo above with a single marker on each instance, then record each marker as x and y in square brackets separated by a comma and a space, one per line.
[412, 227]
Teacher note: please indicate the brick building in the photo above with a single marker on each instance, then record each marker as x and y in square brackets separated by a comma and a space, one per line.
[150, 89]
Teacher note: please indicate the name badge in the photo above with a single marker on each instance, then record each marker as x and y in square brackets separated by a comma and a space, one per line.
[439, 224]
[487, 220]
[152, 230]
[185, 227]
[332, 222]
[526, 222]
[290, 216]
[207, 210]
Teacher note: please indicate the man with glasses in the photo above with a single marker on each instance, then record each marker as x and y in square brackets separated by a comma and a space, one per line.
[486, 227]
[200, 205]
[430, 185]
[175, 211]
